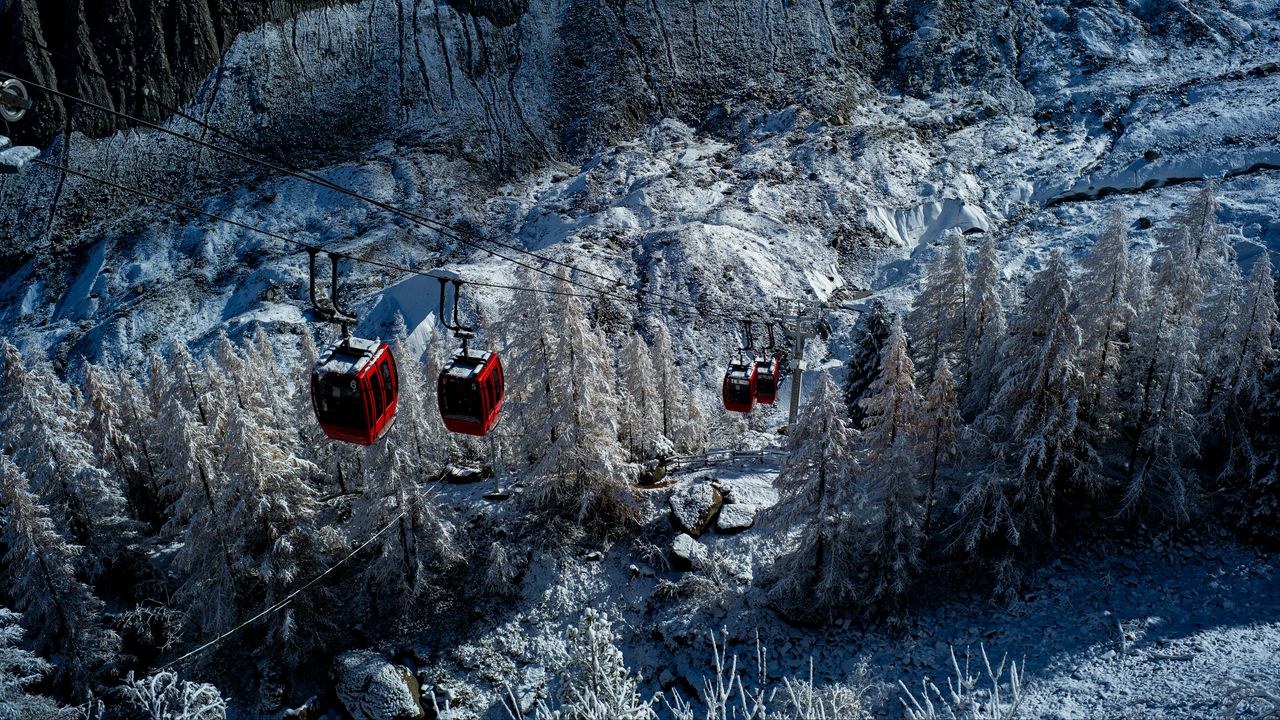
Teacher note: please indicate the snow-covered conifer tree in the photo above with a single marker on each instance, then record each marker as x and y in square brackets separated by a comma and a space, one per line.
[114, 448]
[890, 431]
[682, 422]
[528, 359]
[196, 492]
[1105, 311]
[1035, 417]
[1238, 390]
[863, 367]
[1165, 386]
[62, 611]
[19, 670]
[51, 450]
[583, 473]
[423, 539]
[271, 520]
[641, 407]
[940, 428]
[939, 313]
[984, 331]
[818, 502]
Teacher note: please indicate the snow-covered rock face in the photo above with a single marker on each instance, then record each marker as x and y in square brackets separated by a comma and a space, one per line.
[372, 688]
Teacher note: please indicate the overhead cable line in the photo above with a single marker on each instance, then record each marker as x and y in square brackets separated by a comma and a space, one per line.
[464, 236]
[307, 247]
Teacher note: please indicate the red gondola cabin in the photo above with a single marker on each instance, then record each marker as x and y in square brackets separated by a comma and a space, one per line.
[470, 393]
[766, 380]
[740, 387]
[354, 390]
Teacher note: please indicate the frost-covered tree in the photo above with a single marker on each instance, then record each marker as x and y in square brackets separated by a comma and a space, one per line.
[19, 670]
[1165, 386]
[113, 446]
[423, 538]
[1035, 418]
[939, 313]
[598, 685]
[984, 329]
[528, 359]
[62, 612]
[418, 428]
[139, 422]
[863, 367]
[196, 492]
[583, 473]
[682, 422]
[940, 428]
[271, 520]
[890, 431]
[818, 504]
[1238, 390]
[1105, 311]
[641, 408]
[49, 445]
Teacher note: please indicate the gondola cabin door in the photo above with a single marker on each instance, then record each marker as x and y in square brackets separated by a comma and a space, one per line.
[355, 390]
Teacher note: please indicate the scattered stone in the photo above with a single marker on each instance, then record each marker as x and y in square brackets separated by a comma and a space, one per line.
[595, 556]
[462, 474]
[687, 552]
[758, 491]
[371, 687]
[736, 518]
[694, 507]
[1108, 655]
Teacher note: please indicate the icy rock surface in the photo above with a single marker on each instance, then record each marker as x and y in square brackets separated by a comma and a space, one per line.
[736, 518]
[372, 688]
[694, 507]
[687, 552]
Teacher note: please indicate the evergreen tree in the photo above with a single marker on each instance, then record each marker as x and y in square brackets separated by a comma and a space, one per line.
[271, 521]
[52, 452]
[1035, 416]
[1165, 386]
[529, 358]
[61, 610]
[114, 448]
[1105, 312]
[939, 313]
[818, 504]
[196, 492]
[423, 538]
[682, 422]
[641, 409]
[1239, 390]
[889, 437]
[940, 428]
[19, 670]
[863, 367]
[583, 473]
[984, 330]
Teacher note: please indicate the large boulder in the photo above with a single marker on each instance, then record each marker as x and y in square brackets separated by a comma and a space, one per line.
[371, 687]
[694, 507]
[736, 518]
[687, 553]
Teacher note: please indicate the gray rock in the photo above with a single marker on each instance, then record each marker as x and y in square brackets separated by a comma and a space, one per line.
[687, 552]
[371, 687]
[736, 518]
[694, 507]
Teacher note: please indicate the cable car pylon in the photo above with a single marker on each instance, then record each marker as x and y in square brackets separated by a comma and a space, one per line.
[471, 386]
[355, 386]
